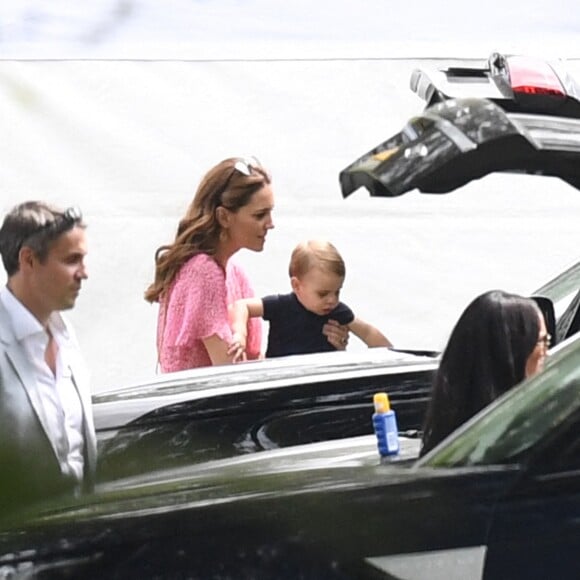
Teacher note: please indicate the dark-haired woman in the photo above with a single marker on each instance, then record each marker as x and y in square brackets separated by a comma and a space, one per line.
[195, 277]
[498, 341]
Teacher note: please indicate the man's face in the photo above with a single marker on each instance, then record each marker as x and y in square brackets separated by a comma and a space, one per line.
[57, 281]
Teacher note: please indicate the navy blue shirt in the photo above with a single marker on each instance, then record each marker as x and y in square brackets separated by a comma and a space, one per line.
[295, 330]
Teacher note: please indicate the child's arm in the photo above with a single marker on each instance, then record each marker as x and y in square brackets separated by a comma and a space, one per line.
[370, 335]
[239, 312]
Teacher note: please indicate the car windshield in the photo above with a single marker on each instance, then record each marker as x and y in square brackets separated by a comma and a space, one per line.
[519, 419]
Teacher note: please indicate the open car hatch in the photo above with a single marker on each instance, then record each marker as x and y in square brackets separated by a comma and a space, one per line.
[459, 140]
[517, 83]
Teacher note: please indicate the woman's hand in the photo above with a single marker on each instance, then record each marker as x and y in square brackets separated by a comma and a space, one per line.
[336, 334]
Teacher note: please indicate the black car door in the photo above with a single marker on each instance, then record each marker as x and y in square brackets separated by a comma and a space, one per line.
[536, 530]
[251, 420]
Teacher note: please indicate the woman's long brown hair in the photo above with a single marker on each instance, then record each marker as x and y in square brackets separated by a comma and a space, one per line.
[199, 230]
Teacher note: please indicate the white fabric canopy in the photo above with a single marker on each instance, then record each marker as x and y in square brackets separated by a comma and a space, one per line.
[128, 140]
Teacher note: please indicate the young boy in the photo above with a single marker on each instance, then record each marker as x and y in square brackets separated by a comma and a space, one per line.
[297, 319]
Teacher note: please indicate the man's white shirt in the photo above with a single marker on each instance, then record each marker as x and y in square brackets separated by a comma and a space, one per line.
[61, 404]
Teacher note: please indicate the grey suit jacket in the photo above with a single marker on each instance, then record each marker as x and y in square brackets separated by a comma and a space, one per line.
[28, 461]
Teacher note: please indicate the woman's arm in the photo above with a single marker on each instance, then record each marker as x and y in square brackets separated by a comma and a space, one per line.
[222, 353]
[370, 335]
[239, 312]
[219, 351]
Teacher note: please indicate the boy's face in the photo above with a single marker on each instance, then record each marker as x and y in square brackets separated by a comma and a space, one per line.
[318, 290]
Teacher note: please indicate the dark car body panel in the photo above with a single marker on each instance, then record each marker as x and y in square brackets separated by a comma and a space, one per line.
[459, 140]
[317, 518]
[207, 414]
[521, 532]
[329, 510]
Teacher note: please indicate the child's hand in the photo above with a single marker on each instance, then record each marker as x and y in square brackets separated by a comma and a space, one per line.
[336, 334]
[237, 348]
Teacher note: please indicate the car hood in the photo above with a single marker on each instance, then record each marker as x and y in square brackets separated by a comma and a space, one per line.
[114, 408]
[325, 467]
[459, 140]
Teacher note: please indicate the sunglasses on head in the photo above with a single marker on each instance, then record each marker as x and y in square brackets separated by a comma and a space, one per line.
[65, 220]
[71, 214]
[59, 224]
[245, 165]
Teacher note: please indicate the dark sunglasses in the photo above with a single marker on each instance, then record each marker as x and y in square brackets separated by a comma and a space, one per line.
[545, 340]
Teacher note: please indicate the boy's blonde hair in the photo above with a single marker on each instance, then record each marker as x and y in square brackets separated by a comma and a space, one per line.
[316, 253]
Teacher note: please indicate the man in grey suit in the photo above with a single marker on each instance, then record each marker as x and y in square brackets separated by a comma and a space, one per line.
[47, 436]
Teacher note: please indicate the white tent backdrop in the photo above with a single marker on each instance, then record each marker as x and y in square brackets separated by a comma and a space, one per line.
[194, 29]
[307, 87]
[128, 141]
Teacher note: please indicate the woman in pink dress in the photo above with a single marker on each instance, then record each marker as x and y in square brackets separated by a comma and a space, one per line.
[195, 277]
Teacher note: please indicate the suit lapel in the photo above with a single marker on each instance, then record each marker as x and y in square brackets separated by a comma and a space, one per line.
[17, 357]
[81, 383]
[19, 361]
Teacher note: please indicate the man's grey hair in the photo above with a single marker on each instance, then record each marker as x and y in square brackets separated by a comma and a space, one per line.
[34, 224]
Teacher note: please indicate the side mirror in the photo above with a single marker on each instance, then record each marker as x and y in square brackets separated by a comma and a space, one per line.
[547, 308]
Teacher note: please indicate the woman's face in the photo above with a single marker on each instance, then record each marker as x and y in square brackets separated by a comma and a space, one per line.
[248, 227]
[535, 362]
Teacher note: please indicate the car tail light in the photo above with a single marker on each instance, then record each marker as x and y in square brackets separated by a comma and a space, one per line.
[531, 76]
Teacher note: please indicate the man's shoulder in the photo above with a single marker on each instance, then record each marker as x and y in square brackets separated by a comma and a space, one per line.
[5, 325]
[8, 333]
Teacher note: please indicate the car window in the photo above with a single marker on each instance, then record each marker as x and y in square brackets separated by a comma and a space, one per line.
[562, 287]
[518, 420]
[564, 293]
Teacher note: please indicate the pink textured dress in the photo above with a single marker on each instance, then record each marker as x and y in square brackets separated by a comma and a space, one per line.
[196, 307]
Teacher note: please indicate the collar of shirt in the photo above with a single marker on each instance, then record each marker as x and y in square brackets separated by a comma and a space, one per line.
[24, 323]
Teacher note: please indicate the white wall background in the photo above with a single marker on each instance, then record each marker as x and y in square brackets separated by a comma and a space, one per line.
[305, 87]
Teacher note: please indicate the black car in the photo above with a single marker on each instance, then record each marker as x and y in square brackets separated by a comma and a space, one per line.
[193, 416]
[498, 499]
[210, 413]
